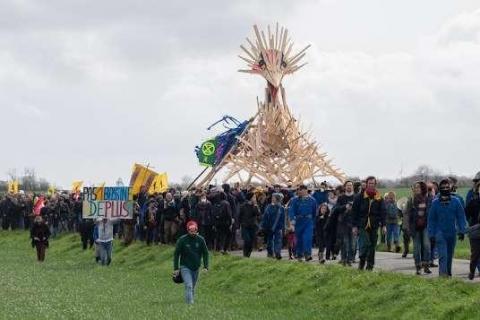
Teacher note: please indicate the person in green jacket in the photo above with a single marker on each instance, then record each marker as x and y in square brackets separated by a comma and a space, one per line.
[189, 251]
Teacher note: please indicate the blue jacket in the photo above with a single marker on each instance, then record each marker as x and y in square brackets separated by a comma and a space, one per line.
[446, 218]
[320, 196]
[302, 209]
[270, 217]
[456, 195]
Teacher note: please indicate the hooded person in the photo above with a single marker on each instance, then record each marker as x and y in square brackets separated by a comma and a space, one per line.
[446, 219]
[203, 209]
[222, 220]
[273, 225]
[40, 234]
[248, 219]
[190, 250]
[472, 193]
[473, 216]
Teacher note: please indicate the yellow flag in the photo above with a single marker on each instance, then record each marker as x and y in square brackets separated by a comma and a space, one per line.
[51, 190]
[10, 187]
[100, 191]
[15, 186]
[77, 186]
[141, 176]
[160, 183]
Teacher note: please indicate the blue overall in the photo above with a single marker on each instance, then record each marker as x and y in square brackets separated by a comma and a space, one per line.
[445, 220]
[302, 212]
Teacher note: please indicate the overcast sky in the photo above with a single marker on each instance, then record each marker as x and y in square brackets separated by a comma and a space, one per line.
[87, 88]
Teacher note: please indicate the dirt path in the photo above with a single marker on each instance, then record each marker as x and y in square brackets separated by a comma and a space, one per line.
[391, 262]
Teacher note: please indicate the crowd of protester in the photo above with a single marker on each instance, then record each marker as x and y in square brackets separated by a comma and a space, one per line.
[342, 223]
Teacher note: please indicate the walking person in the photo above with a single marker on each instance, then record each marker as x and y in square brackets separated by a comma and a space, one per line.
[330, 233]
[273, 225]
[190, 250]
[222, 217]
[204, 213]
[151, 222]
[105, 239]
[170, 216]
[368, 216]
[417, 209]
[393, 229]
[302, 212]
[86, 233]
[344, 223]
[473, 190]
[248, 219]
[446, 219]
[320, 222]
[473, 215]
[40, 234]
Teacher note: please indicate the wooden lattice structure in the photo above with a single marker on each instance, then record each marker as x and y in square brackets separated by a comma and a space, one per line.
[273, 149]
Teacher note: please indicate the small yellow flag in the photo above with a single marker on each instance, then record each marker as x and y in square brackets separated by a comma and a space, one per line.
[13, 186]
[77, 186]
[51, 190]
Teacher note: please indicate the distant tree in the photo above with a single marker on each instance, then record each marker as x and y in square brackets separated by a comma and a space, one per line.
[12, 174]
[186, 180]
[29, 180]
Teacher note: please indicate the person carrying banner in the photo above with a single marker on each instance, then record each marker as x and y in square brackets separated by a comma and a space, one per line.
[105, 239]
[190, 249]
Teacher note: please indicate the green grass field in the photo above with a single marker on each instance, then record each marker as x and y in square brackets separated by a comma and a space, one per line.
[69, 285]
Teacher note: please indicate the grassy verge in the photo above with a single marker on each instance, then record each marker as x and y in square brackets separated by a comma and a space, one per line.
[138, 286]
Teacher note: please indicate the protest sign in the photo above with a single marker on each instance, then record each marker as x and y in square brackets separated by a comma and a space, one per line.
[107, 202]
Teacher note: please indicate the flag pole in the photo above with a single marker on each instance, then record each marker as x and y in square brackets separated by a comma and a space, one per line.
[195, 180]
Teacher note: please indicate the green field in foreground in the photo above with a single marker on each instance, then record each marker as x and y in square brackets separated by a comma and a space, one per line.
[69, 285]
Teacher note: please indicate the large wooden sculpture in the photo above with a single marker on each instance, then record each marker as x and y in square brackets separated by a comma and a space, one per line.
[273, 149]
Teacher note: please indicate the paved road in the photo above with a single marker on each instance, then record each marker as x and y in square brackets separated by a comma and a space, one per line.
[393, 262]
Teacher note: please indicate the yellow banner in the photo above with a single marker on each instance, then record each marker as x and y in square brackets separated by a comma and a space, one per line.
[141, 176]
[160, 183]
[51, 190]
[77, 186]
[13, 186]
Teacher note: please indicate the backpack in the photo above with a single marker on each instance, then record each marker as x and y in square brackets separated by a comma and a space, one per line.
[392, 211]
[220, 214]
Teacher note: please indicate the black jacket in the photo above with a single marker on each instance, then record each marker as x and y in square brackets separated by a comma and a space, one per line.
[472, 211]
[41, 232]
[249, 214]
[204, 213]
[344, 217]
[366, 215]
[222, 214]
